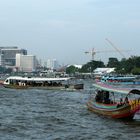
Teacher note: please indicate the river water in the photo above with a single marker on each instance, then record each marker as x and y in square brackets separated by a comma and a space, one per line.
[58, 115]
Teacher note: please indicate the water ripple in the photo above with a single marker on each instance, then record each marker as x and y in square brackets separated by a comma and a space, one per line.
[57, 115]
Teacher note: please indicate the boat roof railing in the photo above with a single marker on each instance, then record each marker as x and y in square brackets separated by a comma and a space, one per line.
[105, 87]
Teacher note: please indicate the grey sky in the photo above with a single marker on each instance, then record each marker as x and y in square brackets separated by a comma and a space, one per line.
[65, 29]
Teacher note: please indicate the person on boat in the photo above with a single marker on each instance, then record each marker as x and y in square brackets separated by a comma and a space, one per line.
[126, 100]
[66, 86]
[106, 97]
[98, 96]
[19, 83]
[102, 97]
[121, 103]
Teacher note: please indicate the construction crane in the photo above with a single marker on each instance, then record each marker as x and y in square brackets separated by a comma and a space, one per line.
[119, 51]
[93, 52]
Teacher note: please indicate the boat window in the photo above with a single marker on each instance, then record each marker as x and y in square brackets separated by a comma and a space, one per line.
[7, 81]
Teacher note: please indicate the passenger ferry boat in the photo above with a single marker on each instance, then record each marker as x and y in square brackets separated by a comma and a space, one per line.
[113, 102]
[19, 82]
[121, 80]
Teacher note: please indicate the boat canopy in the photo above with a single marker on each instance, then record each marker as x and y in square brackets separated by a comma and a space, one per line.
[121, 78]
[135, 91]
[118, 77]
[109, 88]
[37, 78]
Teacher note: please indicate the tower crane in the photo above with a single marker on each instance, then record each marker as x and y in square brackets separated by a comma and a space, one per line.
[118, 50]
[93, 52]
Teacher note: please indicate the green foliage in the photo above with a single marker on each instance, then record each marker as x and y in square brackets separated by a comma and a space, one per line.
[124, 66]
[113, 62]
[91, 66]
[136, 71]
[71, 69]
[127, 66]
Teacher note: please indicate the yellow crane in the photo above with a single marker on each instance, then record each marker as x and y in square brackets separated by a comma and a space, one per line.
[92, 52]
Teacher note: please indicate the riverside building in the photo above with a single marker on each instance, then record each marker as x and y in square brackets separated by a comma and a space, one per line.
[52, 64]
[8, 55]
[26, 63]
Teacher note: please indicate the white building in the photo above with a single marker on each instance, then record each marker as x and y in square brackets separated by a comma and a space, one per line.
[75, 65]
[26, 63]
[102, 71]
[52, 64]
[1, 60]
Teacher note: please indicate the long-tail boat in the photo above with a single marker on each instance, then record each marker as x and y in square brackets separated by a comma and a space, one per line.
[114, 102]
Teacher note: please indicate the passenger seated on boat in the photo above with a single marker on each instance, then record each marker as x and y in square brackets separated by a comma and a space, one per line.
[24, 84]
[59, 84]
[106, 97]
[121, 103]
[126, 101]
[98, 96]
[19, 83]
[66, 86]
[107, 101]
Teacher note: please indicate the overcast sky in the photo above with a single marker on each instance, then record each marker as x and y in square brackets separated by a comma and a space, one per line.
[65, 29]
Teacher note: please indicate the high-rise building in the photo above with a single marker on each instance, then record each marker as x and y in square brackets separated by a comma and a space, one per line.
[52, 64]
[26, 63]
[8, 55]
